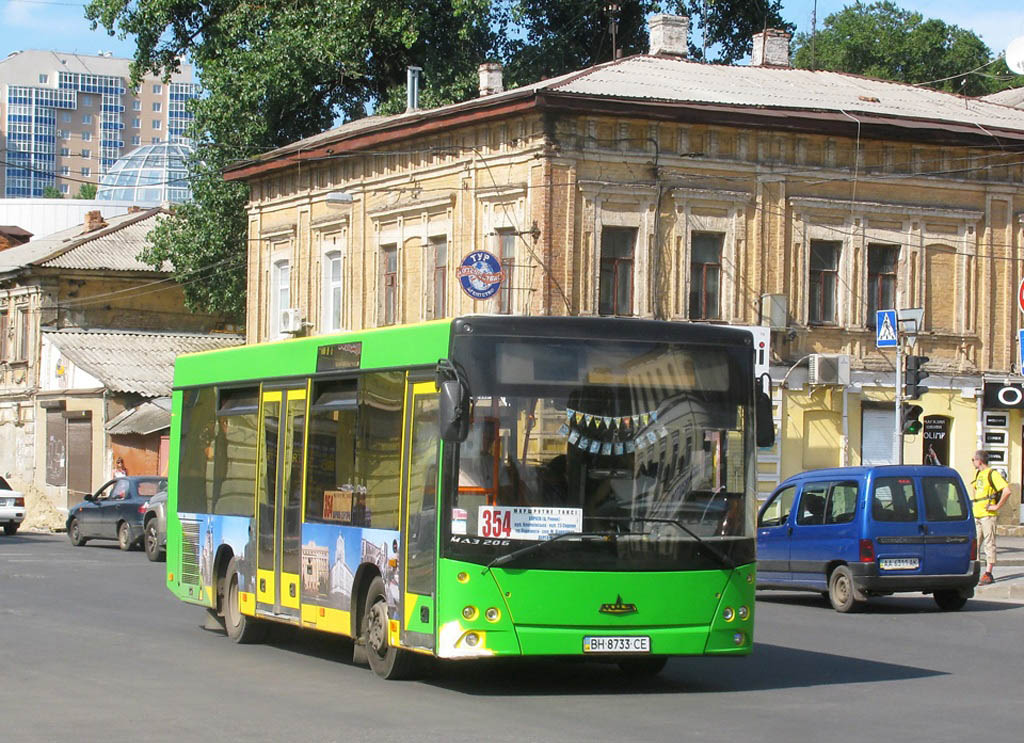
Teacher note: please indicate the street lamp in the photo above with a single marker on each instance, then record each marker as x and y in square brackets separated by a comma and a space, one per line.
[338, 198]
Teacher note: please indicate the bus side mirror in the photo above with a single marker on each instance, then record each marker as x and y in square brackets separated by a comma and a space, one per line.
[765, 422]
[454, 403]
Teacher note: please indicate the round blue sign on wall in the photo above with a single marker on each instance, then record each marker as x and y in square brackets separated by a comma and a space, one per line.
[480, 274]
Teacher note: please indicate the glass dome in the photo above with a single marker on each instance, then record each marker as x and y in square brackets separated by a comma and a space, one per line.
[148, 176]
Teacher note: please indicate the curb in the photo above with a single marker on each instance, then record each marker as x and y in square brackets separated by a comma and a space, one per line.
[1010, 591]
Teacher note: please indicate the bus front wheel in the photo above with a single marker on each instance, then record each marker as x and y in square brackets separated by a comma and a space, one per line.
[386, 660]
[241, 628]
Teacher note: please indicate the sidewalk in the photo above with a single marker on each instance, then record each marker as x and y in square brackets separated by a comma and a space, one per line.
[1009, 572]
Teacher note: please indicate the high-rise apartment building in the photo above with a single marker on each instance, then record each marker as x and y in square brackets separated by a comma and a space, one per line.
[66, 118]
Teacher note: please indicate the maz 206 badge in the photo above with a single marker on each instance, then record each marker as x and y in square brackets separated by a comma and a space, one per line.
[480, 274]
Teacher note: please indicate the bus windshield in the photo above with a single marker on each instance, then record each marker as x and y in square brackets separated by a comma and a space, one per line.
[642, 449]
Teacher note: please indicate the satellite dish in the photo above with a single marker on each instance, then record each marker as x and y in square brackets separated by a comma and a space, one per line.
[1015, 55]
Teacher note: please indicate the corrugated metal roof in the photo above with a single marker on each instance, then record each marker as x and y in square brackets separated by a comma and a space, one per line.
[749, 89]
[110, 248]
[1011, 97]
[144, 419]
[134, 361]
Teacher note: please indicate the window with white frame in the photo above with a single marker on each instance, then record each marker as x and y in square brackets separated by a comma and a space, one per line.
[157, 106]
[86, 118]
[86, 153]
[157, 123]
[280, 292]
[86, 136]
[157, 89]
[22, 347]
[333, 271]
[136, 105]
[86, 100]
[86, 171]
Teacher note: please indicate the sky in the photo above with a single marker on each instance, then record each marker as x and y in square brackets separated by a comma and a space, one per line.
[60, 24]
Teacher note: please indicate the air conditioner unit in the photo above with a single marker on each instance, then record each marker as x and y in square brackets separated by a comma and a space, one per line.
[829, 369]
[290, 320]
[774, 311]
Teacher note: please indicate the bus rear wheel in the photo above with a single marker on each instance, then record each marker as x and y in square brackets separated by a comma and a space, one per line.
[386, 660]
[240, 627]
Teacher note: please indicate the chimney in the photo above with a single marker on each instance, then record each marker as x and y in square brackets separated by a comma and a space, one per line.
[668, 35]
[94, 221]
[490, 78]
[771, 49]
[412, 88]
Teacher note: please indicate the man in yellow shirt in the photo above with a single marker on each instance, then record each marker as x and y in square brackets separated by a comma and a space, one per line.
[990, 491]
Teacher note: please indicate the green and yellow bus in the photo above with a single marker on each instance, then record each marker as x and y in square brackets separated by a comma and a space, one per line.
[487, 486]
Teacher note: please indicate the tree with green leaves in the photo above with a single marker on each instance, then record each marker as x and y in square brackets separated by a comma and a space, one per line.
[86, 191]
[728, 27]
[52, 192]
[885, 41]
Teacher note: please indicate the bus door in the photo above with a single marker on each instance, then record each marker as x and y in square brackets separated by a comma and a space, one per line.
[279, 501]
[419, 506]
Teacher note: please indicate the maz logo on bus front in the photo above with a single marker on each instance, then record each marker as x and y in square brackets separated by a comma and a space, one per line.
[618, 607]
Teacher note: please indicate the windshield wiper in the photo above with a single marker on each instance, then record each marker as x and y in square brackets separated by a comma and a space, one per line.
[510, 556]
[721, 557]
[713, 551]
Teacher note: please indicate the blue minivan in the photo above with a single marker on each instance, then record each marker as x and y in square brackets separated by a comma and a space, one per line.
[854, 532]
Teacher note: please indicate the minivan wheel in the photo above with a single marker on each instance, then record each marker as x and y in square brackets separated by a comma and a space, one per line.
[950, 600]
[841, 592]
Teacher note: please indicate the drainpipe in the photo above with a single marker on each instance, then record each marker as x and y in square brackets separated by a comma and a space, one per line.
[844, 442]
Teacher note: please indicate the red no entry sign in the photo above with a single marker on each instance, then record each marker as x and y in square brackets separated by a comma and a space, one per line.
[1020, 295]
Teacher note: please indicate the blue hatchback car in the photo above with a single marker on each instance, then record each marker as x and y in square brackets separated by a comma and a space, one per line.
[855, 532]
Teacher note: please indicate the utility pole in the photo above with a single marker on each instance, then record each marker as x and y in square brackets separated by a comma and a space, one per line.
[897, 434]
[612, 9]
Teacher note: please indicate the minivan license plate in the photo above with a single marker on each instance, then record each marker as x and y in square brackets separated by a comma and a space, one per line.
[899, 563]
[617, 644]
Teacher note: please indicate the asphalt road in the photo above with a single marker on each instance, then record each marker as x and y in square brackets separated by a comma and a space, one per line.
[93, 648]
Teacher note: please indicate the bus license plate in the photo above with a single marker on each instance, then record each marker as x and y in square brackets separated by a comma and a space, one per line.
[899, 563]
[617, 644]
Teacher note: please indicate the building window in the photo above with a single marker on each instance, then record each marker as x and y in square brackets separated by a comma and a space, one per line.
[155, 140]
[65, 152]
[280, 292]
[86, 118]
[64, 188]
[439, 256]
[86, 154]
[507, 256]
[616, 279]
[86, 136]
[157, 106]
[136, 139]
[86, 100]
[136, 105]
[156, 123]
[823, 275]
[5, 346]
[65, 170]
[87, 172]
[43, 77]
[136, 122]
[881, 279]
[65, 117]
[389, 284]
[23, 336]
[157, 89]
[705, 274]
[332, 290]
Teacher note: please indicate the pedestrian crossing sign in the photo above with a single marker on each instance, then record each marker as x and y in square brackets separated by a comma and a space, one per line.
[886, 335]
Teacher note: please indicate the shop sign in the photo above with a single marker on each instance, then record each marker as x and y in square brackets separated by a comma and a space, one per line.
[999, 395]
[480, 274]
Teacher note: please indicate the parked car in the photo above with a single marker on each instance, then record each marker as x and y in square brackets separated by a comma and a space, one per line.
[114, 511]
[855, 532]
[12, 508]
[154, 527]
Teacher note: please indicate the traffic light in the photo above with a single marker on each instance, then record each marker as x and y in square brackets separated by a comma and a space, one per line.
[913, 389]
[910, 418]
